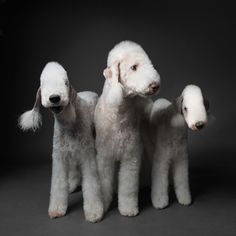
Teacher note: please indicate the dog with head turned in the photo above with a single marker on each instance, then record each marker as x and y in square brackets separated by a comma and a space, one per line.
[73, 141]
[168, 149]
[130, 78]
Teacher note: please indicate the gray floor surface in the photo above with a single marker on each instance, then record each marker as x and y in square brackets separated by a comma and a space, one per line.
[24, 193]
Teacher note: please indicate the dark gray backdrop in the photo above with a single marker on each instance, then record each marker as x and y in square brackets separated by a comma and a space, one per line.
[187, 43]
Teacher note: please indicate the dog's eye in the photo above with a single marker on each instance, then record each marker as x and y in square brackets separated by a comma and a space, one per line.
[134, 67]
[185, 109]
[67, 83]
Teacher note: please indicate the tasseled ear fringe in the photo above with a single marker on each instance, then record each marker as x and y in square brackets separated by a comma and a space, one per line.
[115, 95]
[30, 120]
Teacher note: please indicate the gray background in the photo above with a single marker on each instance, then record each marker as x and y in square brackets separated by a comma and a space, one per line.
[187, 43]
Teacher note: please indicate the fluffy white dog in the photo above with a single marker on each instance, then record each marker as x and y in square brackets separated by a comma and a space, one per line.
[130, 76]
[73, 141]
[168, 129]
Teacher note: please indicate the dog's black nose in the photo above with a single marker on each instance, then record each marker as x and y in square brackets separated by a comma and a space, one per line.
[199, 125]
[154, 87]
[54, 99]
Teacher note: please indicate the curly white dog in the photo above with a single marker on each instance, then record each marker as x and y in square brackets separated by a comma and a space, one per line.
[130, 76]
[168, 130]
[73, 141]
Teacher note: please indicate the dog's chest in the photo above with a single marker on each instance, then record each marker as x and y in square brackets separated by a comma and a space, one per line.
[76, 139]
[124, 135]
[171, 137]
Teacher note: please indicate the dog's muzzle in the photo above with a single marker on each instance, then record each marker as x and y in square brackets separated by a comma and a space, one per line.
[198, 126]
[55, 99]
[56, 109]
[152, 88]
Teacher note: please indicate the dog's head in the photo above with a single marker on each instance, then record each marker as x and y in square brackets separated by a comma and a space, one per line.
[135, 70]
[193, 106]
[55, 88]
[54, 93]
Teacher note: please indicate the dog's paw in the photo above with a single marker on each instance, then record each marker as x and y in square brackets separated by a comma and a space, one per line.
[94, 213]
[93, 217]
[160, 202]
[129, 211]
[56, 213]
[185, 199]
[56, 210]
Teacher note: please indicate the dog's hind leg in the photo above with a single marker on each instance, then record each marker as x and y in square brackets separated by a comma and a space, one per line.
[93, 204]
[74, 175]
[160, 174]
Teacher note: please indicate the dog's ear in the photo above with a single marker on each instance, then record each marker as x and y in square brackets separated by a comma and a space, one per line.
[73, 94]
[32, 119]
[115, 95]
[178, 104]
[37, 99]
[107, 73]
[113, 72]
[206, 103]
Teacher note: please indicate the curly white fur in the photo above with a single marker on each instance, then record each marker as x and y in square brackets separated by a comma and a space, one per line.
[168, 147]
[73, 142]
[30, 120]
[117, 120]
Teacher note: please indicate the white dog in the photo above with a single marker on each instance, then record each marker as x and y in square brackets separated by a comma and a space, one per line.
[129, 77]
[73, 141]
[168, 130]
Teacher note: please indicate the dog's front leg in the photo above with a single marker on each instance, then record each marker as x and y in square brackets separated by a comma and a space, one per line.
[59, 184]
[106, 166]
[181, 179]
[129, 185]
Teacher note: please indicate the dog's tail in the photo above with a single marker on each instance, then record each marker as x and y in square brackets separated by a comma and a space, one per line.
[32, 119]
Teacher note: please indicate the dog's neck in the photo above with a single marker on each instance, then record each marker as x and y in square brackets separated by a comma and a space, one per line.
[177, 117]
[67, 118]
[115, 97]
